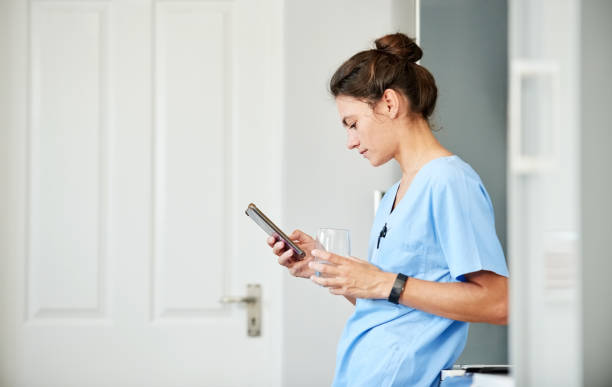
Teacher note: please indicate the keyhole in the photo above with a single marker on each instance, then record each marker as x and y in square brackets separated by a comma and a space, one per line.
[253, 321]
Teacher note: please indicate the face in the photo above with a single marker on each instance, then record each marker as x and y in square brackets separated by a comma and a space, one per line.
[369, 130]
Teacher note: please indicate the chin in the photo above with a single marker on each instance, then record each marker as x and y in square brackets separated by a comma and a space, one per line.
[377, 162]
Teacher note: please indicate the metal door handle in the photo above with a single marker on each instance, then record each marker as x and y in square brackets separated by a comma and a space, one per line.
[236, 300]
[253, 302]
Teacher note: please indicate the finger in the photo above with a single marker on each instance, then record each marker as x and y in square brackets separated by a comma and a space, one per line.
[327, 256]
[300, 236]
[330, 270]
[293, 271]
[271, 240]
[355, 259]
[317, 280]
[286, 258]
[278, 247]
[327, 282]
[296, 269]
[337, 291]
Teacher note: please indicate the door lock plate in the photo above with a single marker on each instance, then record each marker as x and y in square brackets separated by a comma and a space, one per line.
[254, 310]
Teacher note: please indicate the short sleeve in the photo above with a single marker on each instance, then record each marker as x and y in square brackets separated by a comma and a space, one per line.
[465, 226]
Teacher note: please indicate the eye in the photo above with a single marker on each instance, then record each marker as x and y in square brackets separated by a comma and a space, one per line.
[353, 125]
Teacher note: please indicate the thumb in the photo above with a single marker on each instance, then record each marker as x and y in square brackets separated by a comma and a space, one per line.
[299, 235]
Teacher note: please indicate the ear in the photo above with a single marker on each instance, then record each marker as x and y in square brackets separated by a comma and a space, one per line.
[391, 102]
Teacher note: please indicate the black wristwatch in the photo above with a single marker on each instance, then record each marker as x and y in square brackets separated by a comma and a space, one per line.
[398, 288]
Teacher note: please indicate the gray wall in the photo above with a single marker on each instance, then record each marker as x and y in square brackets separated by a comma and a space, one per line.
[465, 47]
[596, 184]
[325, 184]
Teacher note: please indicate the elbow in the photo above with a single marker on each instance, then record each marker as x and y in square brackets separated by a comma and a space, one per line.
[499, 312]
[498, 296]
[490, 292]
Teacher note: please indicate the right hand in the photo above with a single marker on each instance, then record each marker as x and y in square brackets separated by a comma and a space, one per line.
[297, 268]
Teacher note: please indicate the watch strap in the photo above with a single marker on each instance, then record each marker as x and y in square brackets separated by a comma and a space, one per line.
[398, 288]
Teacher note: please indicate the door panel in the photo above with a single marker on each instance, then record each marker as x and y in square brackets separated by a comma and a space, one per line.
[191, 129]
[68, 156]
[136, 134]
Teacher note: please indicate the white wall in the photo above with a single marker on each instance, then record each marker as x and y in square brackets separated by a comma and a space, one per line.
[325, 184]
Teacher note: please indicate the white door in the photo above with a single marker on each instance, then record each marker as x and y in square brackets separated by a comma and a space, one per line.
[134, 135]
[543, 192]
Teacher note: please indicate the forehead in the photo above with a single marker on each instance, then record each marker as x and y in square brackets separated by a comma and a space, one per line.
[350, 107]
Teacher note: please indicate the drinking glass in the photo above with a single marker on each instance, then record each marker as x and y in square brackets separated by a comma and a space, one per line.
[333, 240]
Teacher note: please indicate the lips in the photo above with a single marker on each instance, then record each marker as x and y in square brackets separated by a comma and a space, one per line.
[363, 152]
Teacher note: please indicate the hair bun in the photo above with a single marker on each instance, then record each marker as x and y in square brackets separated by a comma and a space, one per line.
[401, 46]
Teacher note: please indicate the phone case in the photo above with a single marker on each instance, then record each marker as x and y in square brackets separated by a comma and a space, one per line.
[271, 229]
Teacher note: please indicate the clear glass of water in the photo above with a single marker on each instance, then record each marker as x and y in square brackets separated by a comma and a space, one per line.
[333, 240]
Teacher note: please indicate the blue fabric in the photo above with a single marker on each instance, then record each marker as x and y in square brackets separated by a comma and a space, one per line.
[442, 229]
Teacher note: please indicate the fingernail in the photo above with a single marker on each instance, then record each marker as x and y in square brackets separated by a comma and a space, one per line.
[315, 252]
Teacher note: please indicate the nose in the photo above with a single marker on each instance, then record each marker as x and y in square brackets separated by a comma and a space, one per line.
[351, 140]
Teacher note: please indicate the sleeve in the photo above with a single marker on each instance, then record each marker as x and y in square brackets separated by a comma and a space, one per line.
[465, 227]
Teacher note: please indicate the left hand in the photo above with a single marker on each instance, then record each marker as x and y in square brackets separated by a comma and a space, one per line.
[351, 277]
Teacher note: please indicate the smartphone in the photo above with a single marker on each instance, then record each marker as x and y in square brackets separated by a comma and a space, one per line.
[271, 229]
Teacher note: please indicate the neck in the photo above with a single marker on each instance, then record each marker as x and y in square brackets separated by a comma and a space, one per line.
[416, 146]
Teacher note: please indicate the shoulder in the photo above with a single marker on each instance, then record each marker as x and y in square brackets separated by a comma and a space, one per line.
[452, 173]
[455, 185]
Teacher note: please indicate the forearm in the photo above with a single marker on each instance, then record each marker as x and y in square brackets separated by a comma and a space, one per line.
[463, 301]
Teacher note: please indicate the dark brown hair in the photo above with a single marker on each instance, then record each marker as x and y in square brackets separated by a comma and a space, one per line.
[391, 65]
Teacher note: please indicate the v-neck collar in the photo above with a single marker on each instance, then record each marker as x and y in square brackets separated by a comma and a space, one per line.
[390, 214]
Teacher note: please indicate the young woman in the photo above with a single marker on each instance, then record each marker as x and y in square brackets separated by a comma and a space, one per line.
[434, 260]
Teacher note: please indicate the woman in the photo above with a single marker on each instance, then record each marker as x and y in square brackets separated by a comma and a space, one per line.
[434, 260]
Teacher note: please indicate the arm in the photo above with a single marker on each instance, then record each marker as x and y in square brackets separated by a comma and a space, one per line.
[483, 298]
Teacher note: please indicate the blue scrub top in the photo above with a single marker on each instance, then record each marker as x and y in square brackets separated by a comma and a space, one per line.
[441, 229]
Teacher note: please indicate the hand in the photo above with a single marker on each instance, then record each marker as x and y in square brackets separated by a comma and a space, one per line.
[297, 268]
[351, 277]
